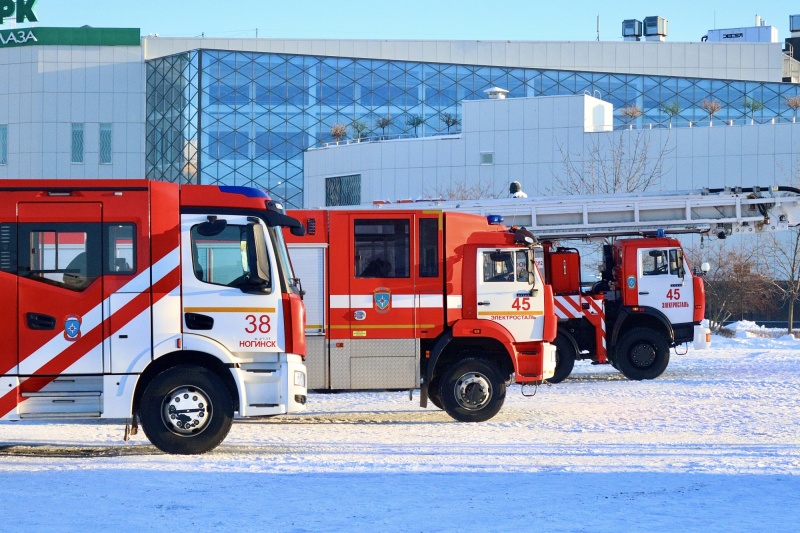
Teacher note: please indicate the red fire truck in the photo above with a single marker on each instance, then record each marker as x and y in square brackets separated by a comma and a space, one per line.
[448, 302]
[647, 298]
[170, 306]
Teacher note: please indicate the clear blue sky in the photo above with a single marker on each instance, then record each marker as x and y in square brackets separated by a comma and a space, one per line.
[411, 19]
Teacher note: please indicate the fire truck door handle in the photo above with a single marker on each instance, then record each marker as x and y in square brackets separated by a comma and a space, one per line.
[198, 321]
[483, 303]
[39, 321]
[644, 292]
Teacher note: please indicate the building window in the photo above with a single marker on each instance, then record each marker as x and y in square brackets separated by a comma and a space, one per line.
[343, 190]
[3, 144]
[105, 144]
[487, 158]
[77, 142]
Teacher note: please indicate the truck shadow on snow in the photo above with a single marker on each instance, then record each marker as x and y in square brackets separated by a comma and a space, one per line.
[48, 450]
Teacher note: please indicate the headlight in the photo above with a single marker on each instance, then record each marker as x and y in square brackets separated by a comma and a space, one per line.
[299, 378]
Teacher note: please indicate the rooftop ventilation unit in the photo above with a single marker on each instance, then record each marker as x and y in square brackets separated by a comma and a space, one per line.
[794, 25]
[655, 28]
[631, 29]
[496, 93]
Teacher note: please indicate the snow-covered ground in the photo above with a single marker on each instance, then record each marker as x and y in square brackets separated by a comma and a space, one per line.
[712, 445]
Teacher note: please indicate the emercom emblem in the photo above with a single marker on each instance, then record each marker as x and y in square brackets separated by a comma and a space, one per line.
[382, 297]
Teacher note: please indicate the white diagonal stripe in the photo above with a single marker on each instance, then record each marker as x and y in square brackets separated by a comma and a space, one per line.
[94, 317]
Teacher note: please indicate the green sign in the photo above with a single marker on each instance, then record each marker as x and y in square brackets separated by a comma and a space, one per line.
[23, 9]
[70, 37]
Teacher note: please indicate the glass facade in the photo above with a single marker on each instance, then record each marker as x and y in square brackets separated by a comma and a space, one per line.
[242, 118]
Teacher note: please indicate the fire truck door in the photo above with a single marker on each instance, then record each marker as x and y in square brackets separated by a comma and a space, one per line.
[375, 345]
[505, 295]
[60, 320]
[664, 285]
[231, 285]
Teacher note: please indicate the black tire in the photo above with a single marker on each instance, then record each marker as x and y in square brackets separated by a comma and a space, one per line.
[565, 359]
[435, 392]
[472, 390]
[642, 353]
[202, 426]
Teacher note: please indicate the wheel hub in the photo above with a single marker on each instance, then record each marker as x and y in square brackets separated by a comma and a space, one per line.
[643, 355]
[186, 411]
[473, 391]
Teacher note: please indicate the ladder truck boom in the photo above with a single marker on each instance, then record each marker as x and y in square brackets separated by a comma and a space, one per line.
[727, 210]
[647, 300]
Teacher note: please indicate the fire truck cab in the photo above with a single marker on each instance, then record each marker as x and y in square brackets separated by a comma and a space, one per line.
[170, 306]
[647, 301]
[448, 302]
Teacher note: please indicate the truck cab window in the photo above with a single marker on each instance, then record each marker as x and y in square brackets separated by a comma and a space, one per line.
[429, 248]
[382, 249]
[500, 266]
[222, 258]
[120, 249]
[661, 262]
[654, 262]
[65, 255]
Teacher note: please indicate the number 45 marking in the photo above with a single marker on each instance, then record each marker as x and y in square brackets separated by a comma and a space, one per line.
[674, 294]
[521, 304]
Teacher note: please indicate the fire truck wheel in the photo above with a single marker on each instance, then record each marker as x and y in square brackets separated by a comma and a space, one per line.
[186, 410]
[435, 392]
[472, 390]
[642, 354]
[565, 360]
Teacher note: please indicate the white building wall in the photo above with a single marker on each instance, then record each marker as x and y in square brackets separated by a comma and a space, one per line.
[733, 61]
[47, 88]
[530, 139]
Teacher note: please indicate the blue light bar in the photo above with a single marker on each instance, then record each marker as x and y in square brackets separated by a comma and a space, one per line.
[660, 233]
[249, 192]
[494, 219]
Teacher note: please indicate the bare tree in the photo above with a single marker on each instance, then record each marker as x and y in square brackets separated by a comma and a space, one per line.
[461, 190]
[737, 283]
[782, 254]
[711, 107]
[794, 103]
[631, 113]
[338, 132]
[383, 123]
[450, 120]
[614, 162]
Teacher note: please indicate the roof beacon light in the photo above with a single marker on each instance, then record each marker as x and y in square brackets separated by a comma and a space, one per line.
[494, 219]
[660, 233]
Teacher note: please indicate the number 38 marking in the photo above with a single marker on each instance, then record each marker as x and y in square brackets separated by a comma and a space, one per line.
[674, 294]
[521, 304]
[257, 323]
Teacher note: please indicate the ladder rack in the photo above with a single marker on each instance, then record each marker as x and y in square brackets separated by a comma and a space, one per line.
[719, 212]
